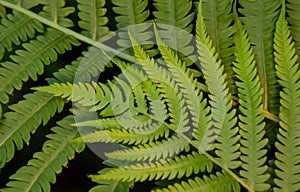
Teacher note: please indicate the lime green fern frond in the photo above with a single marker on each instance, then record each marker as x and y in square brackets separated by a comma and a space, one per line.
[92, 18]
[56, 11]
[251, 120]
[287, 157]
[17, 27]
[223, 126]
[40, 171]
[30, 61]
[218, 182]
[152, 151]
[219, 19]
[116, 134]
[110, 186]
[26, 117]
[259, 20]
[178, 167]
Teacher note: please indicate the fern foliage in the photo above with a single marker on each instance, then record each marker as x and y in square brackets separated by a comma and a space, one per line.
[40, 171]
[197, 96]
[287, 157]
[251, 120]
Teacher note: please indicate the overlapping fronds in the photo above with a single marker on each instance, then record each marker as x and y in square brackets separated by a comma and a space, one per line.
[223, 127]
[218, 182]
[26, 117]
[287, 69]
[40, 171]
[110, 186]
[92, 18]
[218, 18]
[178, 167]
[176, 17]
[259, 20]
[30, 61]
[251, 120]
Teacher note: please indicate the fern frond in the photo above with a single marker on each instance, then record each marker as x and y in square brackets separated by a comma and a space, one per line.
[167, 86]
[252, 121]
[218, 182]
[93, 20]
[30, 61]
[223, 125]
[134, 15]
[288, 156]
[219, 19]
[17, 27]
[178, 167]
[55, 11]
[259, 20]
[293, 10]
[27, 115]
[152, 151]
[176, 17]
[40, 171]
[123, 135]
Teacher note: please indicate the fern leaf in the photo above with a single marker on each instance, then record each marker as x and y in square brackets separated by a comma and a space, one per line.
[218, 182]
[259, 20]
[218, 18]
[223, 125]
[124, 136]
[30, 61]
[152, 151]
[133, 14]
[17, 27]
[252, 122]
[55, 11]
[93, 20]
[176, 15]
[293, 9]
[178, 167]
[27, 115]
[40, 171]
[167, 86]
[287, 157]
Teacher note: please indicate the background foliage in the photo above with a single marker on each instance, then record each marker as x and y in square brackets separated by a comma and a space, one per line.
[236, 85]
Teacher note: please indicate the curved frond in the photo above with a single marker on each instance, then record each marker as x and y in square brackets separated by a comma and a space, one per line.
[218, 182]
[26, 117]
[30, 61]
[223, 126]
[288, 156]
[178, 167]
[176, 17]
[40, 171]
[259, 20]
[110, 186]
[92, 18]
[56, 11]
[218, 18]
[252, 123]
[17, 27]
